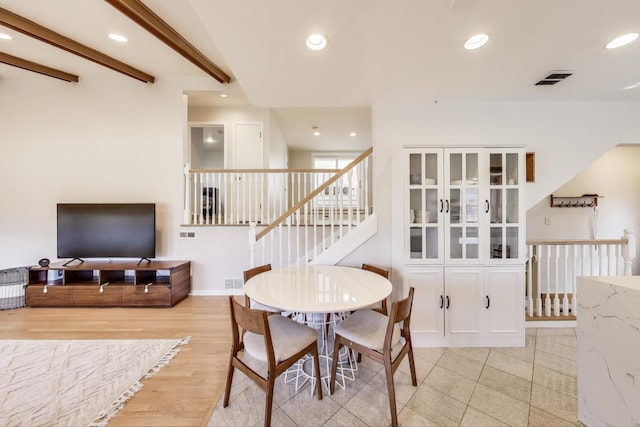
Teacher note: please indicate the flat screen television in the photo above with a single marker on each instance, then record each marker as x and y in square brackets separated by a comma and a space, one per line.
[106, 230]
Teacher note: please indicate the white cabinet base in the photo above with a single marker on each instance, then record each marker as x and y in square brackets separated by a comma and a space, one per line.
[466, 306]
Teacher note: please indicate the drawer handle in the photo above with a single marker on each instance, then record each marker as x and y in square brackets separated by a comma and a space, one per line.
[441, 301]
[488, 302]
[102, 286]
[447, 302]
[146, 287]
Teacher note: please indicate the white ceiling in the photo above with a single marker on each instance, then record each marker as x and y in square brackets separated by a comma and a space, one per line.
[410, 50]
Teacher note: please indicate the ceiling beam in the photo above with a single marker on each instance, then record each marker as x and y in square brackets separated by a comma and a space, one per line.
[147, 19]
[5, 58]
[37, 31]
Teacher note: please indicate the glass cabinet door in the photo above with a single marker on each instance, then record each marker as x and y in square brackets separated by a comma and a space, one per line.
[425, 205]
[462, 205]
[504, 201]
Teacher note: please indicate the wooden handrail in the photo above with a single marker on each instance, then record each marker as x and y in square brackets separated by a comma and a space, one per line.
[264, 170]
[577, 242]
[314, 193]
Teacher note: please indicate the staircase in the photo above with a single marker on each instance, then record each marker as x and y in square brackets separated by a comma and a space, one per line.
[295, 217]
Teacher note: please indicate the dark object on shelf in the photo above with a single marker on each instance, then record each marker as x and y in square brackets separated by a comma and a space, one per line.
[209, 201]
[584, 201]
[44, 262]
[497, 251]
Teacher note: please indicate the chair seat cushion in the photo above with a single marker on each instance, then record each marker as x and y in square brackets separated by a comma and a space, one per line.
[288, 338]
[367, 328]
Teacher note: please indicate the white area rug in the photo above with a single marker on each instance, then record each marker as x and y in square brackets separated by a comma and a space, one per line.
[75, 382]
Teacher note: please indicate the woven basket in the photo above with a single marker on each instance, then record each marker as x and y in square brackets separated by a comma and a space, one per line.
[12, 284]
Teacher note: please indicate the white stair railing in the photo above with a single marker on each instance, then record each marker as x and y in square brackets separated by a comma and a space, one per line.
[242, 196]
[554, 265]
[325, 215]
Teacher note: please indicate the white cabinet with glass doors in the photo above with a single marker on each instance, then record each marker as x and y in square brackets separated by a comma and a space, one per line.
[464, 206]
[464, 244]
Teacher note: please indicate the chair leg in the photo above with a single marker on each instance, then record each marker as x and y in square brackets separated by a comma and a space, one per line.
[227, 389]
[391, 391]
[334, 364]
[412, 366]
[269, 400]
[316, 366]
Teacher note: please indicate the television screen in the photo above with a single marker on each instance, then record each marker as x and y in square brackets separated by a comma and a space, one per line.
[113, 230]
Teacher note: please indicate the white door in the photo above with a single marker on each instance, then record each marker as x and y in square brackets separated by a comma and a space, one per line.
[427, 316]
[463, 208]
[247, 190]
[247, 146]
[463, 301]
[504, 300]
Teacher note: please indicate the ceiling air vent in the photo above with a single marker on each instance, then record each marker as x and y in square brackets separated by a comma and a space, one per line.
[554, 77]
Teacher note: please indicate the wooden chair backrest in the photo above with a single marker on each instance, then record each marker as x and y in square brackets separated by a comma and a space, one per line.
[249, 321]
[248, 274]
[400, 312]
[384, 273]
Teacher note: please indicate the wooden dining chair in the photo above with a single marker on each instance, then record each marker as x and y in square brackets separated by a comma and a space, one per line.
[276, 340]
[375, 335]
[248, 274]
[382, 306]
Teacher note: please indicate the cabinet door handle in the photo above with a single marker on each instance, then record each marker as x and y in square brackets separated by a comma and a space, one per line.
[488, 302]
[447, 202]
[441, 205]
[441, 301]
[447, 302]
[487, 205]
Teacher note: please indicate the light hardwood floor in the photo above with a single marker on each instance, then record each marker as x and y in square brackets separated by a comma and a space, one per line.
[185, 392]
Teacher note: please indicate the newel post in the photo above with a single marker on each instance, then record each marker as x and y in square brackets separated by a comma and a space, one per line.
[628, 250]
[252, 244]
[187, 196]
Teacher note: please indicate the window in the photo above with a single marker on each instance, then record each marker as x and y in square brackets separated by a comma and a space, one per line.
[344, 193]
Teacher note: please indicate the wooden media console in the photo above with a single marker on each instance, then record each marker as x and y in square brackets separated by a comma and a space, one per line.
[109, 284]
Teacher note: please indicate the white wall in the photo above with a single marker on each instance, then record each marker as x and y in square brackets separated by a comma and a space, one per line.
[566, 137]
[616, 176]
[278, 153]
[120, 140]
[101, 140]
[108, 140]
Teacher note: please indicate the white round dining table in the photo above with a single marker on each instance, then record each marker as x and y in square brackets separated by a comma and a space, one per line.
[318, 288]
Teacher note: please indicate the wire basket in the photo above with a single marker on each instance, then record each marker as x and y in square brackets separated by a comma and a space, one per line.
[12, 285]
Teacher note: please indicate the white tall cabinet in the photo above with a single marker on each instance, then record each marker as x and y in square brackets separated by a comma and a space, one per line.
[465, 245]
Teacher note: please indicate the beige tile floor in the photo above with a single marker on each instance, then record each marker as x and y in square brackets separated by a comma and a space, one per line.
[530, 386]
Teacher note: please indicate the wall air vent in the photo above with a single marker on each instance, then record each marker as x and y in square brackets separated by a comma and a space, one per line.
[554, 77]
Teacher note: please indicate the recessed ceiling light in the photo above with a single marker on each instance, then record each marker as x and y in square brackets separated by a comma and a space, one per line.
[622, 40]
[476, 41]
[117, 37]
[353, 134]
[316, 41]
[316, 132]
[4, 36]
[633, 86]
[223, 95]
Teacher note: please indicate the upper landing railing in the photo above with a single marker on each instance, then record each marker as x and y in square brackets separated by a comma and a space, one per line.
[554, 265]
